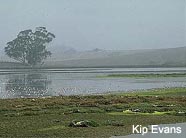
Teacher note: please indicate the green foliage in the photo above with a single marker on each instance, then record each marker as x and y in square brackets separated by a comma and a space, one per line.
[30, 47]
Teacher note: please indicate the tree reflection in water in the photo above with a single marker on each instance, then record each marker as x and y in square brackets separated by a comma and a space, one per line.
[28, 85]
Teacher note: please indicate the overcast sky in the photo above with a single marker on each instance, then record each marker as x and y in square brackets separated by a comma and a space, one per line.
[105, 24]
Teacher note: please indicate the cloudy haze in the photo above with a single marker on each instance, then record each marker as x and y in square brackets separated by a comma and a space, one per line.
[105, 24]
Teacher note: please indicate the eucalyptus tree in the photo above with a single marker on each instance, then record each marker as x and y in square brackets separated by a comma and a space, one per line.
[30, 47]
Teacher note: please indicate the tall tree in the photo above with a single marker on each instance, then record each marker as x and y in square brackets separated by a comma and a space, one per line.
[30, 47]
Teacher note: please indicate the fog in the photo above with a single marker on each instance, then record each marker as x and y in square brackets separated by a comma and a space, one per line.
[104, 24]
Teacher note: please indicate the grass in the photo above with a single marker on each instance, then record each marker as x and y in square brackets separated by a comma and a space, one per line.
[177, 91]
[58, 127]
[114, 114]
[143, 75]
[129, 112]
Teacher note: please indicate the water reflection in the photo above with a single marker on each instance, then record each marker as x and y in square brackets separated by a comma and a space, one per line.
[39, 83]
[28, 85]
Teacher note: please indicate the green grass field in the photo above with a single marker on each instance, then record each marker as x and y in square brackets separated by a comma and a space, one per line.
[143, 75]
[114, 114]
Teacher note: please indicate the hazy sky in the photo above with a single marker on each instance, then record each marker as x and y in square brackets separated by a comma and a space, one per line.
[106, 24]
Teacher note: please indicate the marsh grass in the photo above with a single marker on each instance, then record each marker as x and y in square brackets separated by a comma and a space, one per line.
[150, 75]
[50, 117]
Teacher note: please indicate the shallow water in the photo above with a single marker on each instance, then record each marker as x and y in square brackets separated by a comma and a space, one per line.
[54, 82]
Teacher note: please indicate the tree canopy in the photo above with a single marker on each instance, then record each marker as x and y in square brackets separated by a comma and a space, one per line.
[30, 47]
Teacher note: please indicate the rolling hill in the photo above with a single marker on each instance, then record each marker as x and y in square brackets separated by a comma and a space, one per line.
[69, 57]
[135, 58]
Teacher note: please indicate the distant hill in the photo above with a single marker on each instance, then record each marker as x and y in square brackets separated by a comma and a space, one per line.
[108, 58]
[69, 57]
[11, 65]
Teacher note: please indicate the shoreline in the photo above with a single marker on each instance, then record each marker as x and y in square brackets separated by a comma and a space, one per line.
[17, 65]
[171, 91]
